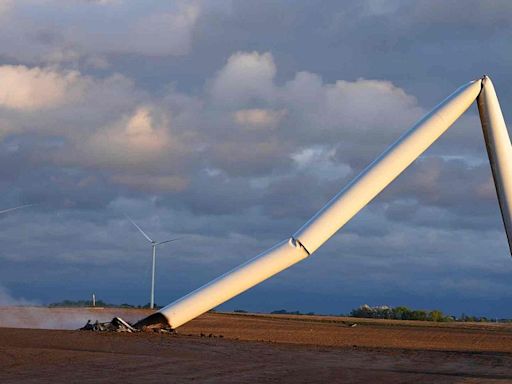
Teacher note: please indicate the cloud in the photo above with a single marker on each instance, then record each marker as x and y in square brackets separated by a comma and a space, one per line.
[473, 12]
[132, 140]
[322, 162]
[5, 6]
[189, 134]
[246, 77]
[84, 33]
[156, 184]
[104, 2]
[168, 33]
[309, 130]
[56, 105]
[37, 88]
[256, 117]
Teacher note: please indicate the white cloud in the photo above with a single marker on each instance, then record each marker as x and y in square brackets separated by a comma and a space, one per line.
[320, 161]
[257, 117]
[133, 139]
[115, 126]
[36, 88]
[247, 76]
[362, 104]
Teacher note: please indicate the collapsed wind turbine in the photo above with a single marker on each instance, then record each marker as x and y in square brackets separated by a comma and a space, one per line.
[356, 195]
[153, 249]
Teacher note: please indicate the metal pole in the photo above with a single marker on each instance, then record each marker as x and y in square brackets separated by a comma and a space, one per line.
[152, 299]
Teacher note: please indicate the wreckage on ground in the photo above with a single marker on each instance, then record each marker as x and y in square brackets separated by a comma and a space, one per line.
[119, 325]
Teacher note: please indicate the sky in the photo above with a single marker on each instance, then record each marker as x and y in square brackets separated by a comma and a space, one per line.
[230, 123]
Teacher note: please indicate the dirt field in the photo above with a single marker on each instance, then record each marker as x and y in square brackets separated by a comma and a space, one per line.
[255, 349]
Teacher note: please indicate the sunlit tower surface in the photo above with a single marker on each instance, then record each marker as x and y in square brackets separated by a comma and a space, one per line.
[356, 195]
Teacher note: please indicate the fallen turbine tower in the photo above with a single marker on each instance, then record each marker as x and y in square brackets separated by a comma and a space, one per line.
[356, 195]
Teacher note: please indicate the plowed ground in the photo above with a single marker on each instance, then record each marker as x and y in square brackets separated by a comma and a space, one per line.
[229, 348]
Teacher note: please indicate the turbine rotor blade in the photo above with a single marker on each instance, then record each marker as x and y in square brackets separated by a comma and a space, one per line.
[16, 208]
[140, 230]
[168, 241]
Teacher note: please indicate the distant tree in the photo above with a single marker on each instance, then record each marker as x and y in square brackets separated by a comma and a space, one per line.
[436, 315]
[284, 312]
[78, 303]
[363, 311]
[418, 315]
[401, 313]
[379, 312]
[404, 313]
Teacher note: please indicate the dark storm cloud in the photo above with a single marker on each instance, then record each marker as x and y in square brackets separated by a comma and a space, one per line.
[230, 123]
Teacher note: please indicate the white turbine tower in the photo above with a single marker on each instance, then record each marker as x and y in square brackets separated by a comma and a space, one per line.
[356, 195]
[153, 250]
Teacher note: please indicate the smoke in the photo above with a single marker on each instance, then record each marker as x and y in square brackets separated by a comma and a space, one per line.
[54, 318]
[6, 299]
[22, 313]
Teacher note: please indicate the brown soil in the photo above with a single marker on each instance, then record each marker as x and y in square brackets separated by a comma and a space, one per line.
[349, 332]
[269, 349]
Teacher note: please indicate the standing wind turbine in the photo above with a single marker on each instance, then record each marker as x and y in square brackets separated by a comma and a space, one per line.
[153, 249]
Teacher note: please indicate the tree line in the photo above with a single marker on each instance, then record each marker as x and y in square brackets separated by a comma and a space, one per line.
[99, 303]
[395, 313]
[404, 313]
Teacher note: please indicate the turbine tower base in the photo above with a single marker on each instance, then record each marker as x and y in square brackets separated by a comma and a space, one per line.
[156, 321]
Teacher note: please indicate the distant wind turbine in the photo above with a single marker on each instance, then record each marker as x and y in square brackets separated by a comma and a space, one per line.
[153, 248]
[15, 208]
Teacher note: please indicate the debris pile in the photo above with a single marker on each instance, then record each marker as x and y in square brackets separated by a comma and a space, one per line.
[116, 325]
[119, 325]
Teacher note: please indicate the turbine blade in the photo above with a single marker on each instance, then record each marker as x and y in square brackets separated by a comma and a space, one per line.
[140, 230]
[168, 241]
[16, 208]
